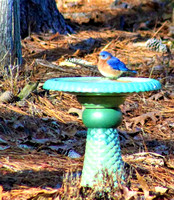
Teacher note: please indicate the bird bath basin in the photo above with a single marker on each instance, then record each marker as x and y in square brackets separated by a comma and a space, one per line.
[101, 98]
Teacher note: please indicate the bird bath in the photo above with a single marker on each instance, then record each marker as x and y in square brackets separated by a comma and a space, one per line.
[101, 98]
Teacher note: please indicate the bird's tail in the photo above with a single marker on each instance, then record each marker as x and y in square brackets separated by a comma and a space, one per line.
[133, 71]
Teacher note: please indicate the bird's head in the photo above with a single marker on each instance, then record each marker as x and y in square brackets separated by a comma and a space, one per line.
[104, 55]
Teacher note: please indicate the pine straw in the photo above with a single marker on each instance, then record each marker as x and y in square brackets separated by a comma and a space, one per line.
[34, 175]
[30, 172]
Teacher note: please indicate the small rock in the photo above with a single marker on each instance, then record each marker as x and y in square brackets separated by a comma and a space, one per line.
[73, 154]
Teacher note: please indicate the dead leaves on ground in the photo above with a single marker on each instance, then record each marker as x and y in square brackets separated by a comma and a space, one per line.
[43, 122]
[143, 118]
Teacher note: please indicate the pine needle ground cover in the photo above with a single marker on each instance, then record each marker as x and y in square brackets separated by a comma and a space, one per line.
[42, 137]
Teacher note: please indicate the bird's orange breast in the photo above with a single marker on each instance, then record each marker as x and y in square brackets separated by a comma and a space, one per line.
[107, 70]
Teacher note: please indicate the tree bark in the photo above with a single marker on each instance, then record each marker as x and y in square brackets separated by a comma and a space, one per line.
[10, 46]
[42, 16]
[20, 18]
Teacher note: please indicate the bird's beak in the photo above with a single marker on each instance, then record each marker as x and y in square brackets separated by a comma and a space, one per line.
[98, 58]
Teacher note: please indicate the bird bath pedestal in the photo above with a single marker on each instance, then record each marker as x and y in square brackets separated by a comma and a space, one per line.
[101, 98]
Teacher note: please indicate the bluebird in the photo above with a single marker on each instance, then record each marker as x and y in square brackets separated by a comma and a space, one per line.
[110, 66]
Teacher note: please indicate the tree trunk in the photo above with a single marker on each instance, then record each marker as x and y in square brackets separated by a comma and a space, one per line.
[42, 16]
[10, 46]
[21, 17]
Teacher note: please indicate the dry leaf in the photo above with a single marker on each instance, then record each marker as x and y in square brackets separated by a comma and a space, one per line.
[144, 185]
[161, 190]
[159, 96]
[128, 194]
[142, 118]
[76, 111]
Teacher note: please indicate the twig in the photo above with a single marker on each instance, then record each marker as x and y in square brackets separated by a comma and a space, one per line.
[159, 29]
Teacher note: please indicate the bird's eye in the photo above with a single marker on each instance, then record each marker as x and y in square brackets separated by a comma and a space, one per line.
[104, 56]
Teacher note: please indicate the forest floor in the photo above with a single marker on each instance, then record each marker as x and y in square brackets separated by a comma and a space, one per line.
[40, 132]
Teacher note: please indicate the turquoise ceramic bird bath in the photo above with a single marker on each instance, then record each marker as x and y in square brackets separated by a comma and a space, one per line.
[101, 98]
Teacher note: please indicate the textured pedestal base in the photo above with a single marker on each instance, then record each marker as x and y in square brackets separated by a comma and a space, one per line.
[102, 155]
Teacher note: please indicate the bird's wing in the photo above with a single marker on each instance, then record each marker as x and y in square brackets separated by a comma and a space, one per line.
[116, 64]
